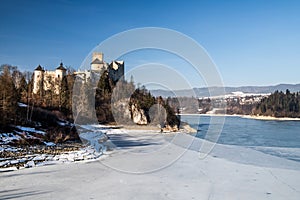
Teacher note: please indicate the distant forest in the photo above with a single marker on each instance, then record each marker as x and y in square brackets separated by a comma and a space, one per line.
[279, 104]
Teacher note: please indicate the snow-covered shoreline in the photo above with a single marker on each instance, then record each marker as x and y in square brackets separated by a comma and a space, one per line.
[14, 158]
[270, 118]
[39, 160]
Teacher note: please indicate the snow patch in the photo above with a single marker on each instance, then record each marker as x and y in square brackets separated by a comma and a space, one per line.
[95, 139]
[49, 144]
[29, 129]
[6, 138]
[22, 105]
[84, 154]
[29, 164]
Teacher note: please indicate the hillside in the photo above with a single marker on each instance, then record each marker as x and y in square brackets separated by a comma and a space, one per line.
[204, 92]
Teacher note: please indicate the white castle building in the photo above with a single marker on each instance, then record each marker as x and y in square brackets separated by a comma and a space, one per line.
[48, 79]
[52, 79]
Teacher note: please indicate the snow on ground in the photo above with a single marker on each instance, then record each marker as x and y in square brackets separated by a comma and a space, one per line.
[242, 94]
[87, 153]
[24, 133]
[95, 139]
[6, 138]
[9, 148]
[289, 153]
[126, 173]
[94, 135]
[49, 144]
[29, 129]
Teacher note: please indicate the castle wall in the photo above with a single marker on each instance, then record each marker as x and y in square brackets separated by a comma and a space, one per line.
[37, 77]
[98, 67]
[60, 73]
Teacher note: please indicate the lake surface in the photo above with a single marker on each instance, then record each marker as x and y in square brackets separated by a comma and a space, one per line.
[278, 138]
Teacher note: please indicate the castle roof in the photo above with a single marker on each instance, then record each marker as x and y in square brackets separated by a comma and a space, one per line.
[61, 67]
[97, 61]
[39, 68]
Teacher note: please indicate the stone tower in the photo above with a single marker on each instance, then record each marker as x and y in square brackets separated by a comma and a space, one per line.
[60, 71]
[97, 63]
[37, 79]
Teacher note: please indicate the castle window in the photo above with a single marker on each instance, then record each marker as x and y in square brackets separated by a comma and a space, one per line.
[58, 76]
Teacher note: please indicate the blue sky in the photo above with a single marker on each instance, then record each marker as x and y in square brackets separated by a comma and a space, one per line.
[251, 42]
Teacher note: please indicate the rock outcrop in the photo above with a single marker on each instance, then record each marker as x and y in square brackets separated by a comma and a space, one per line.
[130, 113]
[169, 128]
[138, 115]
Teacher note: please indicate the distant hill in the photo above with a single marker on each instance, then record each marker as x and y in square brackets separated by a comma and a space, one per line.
[214, 91]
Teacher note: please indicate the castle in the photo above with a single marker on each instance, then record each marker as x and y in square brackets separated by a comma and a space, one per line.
[115, 69]
[52, 79]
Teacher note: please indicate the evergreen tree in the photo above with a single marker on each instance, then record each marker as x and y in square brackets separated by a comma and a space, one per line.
[8, 97]
[23, 90]
[279, 104]
[104, 84]
[64, 95]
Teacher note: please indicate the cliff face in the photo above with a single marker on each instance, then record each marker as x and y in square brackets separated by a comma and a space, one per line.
[125, 104]
[138, 115]
[129, 115]
[133, 115]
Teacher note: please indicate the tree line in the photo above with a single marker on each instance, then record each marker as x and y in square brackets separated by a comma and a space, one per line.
[280, 104]
[16, 88]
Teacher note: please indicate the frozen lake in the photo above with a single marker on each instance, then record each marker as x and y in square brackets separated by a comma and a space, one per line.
[274, 137]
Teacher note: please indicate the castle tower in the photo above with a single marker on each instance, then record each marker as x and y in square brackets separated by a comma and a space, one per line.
[60, 71]
[37, 79]
[97, 63]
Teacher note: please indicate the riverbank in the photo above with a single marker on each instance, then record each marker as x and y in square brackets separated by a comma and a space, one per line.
[260, 117]
[270, 118]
